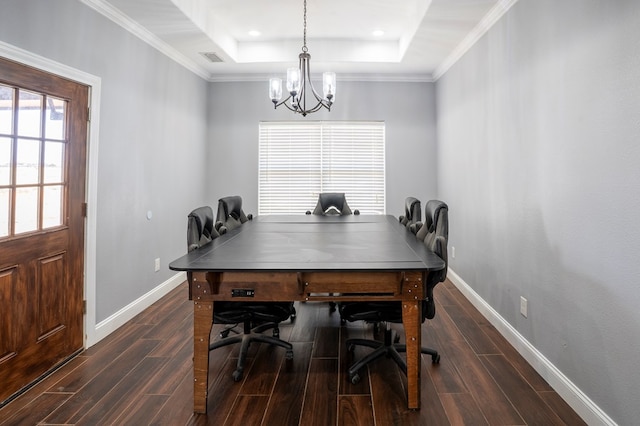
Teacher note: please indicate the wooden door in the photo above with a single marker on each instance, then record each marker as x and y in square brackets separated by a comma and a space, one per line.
[43, 132]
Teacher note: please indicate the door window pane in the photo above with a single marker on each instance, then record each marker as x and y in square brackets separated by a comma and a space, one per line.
[32, 161]
[53, 158]
[6, 109]
[26, 209]
[4, 211]
[52, 206]
[27, 161]
[54, 119]
[5, 161]
[29, 114]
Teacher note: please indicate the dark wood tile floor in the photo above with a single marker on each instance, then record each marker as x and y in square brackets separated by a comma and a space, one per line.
[141, 374]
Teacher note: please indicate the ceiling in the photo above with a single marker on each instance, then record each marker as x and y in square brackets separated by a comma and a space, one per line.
[421, 38]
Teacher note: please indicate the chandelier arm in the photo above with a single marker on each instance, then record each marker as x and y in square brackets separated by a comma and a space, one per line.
[290, 108]
[317, 107]
[301, 109]
[307, 72]
[302, 99]
[314, 109]
[302, 103]
[284, 102]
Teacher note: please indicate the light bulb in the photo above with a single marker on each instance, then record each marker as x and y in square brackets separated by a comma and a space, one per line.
[329, 85]
[293, 80]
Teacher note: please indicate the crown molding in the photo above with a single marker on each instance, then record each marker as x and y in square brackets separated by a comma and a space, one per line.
[145, 35]
[483, 26]
[383, 78]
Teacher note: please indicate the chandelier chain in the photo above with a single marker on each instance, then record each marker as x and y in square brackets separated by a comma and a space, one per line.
[304, 39]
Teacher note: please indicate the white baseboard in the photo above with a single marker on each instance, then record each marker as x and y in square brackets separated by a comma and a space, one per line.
[578, 400]
[118, 319]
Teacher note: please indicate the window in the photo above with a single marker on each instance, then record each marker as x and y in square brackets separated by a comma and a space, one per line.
[298, 160]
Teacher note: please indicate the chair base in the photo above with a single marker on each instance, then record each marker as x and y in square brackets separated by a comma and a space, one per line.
[386, 348]
[245, 341]
[229, 329]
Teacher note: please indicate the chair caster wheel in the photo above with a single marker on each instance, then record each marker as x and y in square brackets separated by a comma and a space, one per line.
[355, 378]
[276, 333]
[289, 355]
[224, 334]
[237, 375]
[435, 359]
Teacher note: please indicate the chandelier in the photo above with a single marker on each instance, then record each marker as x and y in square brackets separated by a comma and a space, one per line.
[297, 81]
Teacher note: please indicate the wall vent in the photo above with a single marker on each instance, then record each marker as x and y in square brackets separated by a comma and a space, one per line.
[212, 57]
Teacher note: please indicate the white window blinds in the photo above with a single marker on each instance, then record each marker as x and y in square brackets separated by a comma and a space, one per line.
[298, 160]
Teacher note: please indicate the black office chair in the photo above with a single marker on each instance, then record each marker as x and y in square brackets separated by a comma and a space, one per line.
[230, 213]
[432, 212]
[200, 228]
[391, 312]
[412, 212]
[256, 317]
[332, 203]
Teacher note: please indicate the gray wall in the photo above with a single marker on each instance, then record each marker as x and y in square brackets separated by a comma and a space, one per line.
[408, 110]
[538, 158]
[152, 136]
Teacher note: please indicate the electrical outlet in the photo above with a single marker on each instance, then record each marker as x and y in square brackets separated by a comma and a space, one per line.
[453, 252]
[157, 264]
[523, 306]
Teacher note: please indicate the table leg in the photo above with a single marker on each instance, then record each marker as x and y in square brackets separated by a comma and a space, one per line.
[202, 323]
[411, 315]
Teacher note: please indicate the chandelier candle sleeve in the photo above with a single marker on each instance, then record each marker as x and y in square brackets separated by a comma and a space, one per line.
[293, 81]
[275, 89]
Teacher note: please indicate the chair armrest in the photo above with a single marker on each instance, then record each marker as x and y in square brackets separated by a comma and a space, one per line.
[415, 227]
[220, 228]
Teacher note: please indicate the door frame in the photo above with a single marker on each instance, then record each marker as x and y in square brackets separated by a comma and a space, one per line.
[91, 194]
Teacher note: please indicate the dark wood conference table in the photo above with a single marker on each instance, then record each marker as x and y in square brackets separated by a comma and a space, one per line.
[309, 258]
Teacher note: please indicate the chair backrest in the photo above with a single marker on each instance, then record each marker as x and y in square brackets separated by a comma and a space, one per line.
[200, 229]
[230, 213]
[436, 240]
[412, 211]
[432, 214]
[332, 203]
